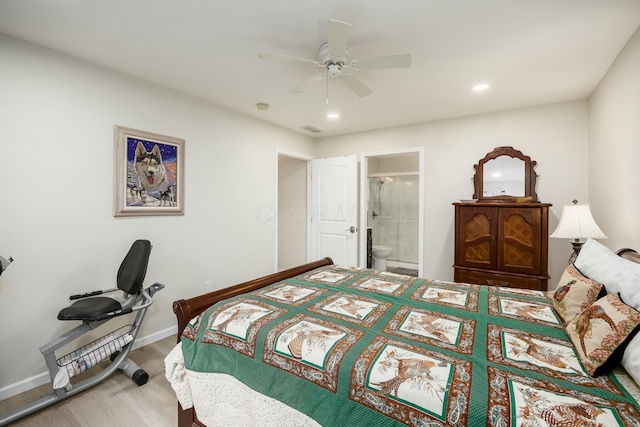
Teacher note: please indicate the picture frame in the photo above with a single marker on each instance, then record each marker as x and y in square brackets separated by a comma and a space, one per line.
[149, 173]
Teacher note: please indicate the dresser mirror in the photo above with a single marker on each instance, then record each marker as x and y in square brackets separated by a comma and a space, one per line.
[503, 174]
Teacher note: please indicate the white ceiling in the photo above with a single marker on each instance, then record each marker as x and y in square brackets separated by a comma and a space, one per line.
[532, 52]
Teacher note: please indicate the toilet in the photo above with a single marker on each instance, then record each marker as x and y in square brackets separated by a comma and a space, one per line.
[380, 254]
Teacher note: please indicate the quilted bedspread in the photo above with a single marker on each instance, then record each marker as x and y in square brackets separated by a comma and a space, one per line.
[350, 346]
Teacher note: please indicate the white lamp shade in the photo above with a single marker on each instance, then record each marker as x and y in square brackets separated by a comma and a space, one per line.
[577, 222]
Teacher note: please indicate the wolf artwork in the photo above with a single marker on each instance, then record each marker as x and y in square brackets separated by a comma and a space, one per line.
[153, 181]
[150, 169]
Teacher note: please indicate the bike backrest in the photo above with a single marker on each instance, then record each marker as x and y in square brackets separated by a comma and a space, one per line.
[134, 267]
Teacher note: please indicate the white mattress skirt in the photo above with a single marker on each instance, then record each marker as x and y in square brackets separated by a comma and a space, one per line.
[221, 400]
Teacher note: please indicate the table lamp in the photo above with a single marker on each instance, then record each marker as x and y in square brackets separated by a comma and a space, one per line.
[577, 223]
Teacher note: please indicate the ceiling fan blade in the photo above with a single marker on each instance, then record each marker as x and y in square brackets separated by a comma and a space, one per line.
[392, 61]
[355, 85]
[286, 58]
[339, 33]
[309, 82]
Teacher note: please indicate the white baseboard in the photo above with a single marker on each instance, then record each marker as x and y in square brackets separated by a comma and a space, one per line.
[141, 342]
[43, 378]
[24, 385]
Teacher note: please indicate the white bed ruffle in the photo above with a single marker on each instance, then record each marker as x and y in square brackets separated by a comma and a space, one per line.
[234, 404]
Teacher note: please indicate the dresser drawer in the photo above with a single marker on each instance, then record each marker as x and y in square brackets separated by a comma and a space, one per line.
[495, 279]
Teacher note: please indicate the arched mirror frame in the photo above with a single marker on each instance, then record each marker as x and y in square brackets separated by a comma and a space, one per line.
[529, 175]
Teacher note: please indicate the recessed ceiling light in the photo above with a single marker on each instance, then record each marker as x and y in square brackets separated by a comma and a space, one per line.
[333, 115]
[481, 87]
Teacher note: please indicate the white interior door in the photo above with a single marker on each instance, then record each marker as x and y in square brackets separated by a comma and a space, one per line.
[334, 210]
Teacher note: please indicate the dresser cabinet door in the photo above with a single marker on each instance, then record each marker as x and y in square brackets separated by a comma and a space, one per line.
[477, 230]
[520, 239]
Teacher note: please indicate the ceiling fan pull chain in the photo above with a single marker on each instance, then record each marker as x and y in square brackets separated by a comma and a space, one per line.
[327, 101]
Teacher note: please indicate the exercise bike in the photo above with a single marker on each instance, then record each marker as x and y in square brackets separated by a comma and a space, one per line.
[94, 311]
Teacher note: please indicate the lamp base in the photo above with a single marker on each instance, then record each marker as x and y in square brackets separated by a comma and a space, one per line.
[577, 245]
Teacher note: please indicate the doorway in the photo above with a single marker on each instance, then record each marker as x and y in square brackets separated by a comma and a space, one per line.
[293, 196]
[315, 218]
[292, 186]
[392, 208]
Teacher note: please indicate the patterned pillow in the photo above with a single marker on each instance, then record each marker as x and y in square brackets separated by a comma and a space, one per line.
[601, 333]
[575, 293]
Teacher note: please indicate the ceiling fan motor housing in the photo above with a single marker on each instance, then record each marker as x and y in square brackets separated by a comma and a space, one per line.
[333, 64]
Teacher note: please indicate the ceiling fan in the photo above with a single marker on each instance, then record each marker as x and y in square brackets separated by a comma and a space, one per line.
[334, 57]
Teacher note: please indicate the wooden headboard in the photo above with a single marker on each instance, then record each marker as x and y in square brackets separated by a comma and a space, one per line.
[187, 309]
[629, 254]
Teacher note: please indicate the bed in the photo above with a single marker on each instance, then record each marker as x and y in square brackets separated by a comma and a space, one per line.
[331, 345]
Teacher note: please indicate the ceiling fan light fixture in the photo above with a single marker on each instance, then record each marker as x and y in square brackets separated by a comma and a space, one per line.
[334, 70]
[333, 115]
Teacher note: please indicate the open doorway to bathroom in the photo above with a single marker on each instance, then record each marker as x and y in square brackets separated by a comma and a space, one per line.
[393, 197]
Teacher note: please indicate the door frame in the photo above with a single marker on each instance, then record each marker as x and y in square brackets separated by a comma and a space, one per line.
[364, 157]
[300, 156]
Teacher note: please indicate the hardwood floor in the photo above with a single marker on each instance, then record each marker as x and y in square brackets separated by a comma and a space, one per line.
[117, 401]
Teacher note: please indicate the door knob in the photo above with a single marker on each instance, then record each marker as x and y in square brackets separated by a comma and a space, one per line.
[351, 229]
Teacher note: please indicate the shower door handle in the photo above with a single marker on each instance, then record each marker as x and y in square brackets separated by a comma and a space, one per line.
[352, 229]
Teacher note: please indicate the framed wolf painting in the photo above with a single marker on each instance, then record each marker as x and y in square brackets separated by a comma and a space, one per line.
[149, 173]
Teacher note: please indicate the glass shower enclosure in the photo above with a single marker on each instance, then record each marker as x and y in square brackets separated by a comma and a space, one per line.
[393, 216]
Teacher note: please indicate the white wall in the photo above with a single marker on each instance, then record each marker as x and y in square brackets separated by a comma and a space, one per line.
[57, 118]
[553, 135]
[614, 149]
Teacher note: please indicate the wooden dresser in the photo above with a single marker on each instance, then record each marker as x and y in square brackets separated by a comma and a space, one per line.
[502, 244]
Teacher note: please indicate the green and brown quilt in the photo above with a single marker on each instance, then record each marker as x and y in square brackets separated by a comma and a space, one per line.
[351, 347]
